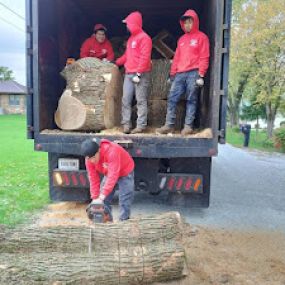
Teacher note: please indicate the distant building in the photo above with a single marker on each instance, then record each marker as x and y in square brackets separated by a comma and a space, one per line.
[12, 97]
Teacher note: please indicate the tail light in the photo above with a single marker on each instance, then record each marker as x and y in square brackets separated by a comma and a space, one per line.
[181, 182]
[73, 179]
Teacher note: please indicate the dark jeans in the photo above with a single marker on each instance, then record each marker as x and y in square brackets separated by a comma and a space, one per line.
[125, 186]
[184, 83]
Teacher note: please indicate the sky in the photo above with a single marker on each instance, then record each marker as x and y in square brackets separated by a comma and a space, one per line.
[13, 38]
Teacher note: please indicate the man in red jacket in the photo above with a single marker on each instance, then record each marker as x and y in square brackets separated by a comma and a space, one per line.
[116, 166]
[190, 64]
[98, 45]
[137, 62]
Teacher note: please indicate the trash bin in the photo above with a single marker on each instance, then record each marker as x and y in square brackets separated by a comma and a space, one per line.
[246, 129]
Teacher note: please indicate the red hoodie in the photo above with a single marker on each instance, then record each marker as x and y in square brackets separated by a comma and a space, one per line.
[137, 57]
[114, 162]
[192, 50]
[92, 48]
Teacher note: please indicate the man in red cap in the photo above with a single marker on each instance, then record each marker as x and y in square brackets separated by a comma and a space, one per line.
[137, 62]
[98, 45]
[190, 64]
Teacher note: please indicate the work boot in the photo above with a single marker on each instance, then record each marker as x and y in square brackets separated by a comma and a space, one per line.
[126, 129]
[137, 130]
[165, 130]
[187, 130]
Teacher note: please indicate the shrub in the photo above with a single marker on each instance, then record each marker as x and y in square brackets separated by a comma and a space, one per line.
[279, 139]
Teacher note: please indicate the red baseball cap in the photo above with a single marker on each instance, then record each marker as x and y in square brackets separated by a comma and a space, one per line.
[99, 27]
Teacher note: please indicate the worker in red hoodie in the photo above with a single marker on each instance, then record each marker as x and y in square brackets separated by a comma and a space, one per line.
[190, 64]
[137, 62]
[117, 167]
[98, 45]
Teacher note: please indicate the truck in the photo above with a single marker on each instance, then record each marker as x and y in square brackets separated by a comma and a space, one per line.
[175, 167]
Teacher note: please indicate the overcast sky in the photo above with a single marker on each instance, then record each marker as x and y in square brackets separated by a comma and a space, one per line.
[12, 39]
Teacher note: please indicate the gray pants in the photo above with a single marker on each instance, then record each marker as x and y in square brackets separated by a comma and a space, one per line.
[141, 92]
[125, 186]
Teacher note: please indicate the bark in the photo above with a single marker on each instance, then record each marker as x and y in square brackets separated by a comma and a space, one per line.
[134, 252]
[95, 90]
[157, 113]
[159, 87]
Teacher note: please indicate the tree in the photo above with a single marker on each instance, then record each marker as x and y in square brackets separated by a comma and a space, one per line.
[6, 74]
[261, 28]
[239, 69]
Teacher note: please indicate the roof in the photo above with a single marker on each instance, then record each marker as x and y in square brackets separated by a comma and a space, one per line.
[12, 87]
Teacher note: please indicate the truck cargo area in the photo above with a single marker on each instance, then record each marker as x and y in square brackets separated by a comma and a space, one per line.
[64, 24]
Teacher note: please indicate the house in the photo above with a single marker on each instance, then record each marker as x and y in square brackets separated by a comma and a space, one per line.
[12, 97]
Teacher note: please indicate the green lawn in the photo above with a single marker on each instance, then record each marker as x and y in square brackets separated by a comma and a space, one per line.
[23, 172]
[258, 140]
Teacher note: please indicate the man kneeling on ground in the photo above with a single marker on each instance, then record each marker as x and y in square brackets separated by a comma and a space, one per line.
[117, 167]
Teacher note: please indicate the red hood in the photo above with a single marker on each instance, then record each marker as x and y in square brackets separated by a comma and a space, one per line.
[134, 22]
[104, 146]
[194, 16]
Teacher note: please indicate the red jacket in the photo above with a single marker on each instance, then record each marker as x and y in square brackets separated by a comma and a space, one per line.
[192, 50]
[115, 162]
[92, 48]
[137, 57]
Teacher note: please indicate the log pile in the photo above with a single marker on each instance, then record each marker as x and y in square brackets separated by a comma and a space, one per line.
[140, 251]
[92, 98]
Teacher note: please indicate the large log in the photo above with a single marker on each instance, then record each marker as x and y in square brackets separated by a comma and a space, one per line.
[159, 87]
[157, 113]
[95, 91]
[140, 251]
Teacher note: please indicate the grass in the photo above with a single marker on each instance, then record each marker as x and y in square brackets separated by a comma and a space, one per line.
[23, 172]
[258, 140]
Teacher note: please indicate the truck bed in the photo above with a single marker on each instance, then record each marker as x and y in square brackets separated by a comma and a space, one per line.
[150, 132]
[146, 145]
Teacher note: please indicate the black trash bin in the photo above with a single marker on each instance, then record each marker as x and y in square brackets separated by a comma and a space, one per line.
[246, 129]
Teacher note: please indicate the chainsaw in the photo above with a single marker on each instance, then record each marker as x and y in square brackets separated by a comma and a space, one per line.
[99, 213]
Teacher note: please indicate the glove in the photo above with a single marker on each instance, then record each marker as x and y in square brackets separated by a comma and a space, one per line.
[200, 82]
[137, 78]
[170, 79]
[99, 200]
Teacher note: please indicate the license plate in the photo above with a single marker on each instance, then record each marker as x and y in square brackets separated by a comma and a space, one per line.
[68, 164]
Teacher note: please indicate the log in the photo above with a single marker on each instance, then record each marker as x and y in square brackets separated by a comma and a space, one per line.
[138, 251]
[159, 88]
[94, 90]
[157, 113]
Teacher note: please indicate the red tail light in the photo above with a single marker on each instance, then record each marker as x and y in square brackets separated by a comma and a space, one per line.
[188, 184]
[170, 183]
[179, 183]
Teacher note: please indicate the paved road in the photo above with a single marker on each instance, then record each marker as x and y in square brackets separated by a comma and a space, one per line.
[248, 191]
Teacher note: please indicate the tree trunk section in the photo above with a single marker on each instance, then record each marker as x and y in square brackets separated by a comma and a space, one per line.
[157, 110]
[159, 87]
[139, 251]
[95, 93]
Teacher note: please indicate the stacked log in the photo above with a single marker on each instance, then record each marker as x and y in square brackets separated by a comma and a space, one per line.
[140, 251]
[92, 98]
[157, 97]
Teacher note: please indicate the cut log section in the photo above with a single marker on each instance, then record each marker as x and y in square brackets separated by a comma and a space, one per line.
[140, 251]
[92, 99]
[157, 113]
[159, 87]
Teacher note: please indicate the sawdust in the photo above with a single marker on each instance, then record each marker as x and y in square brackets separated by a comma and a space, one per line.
[64, 214]
[214, 256]
[149, 132]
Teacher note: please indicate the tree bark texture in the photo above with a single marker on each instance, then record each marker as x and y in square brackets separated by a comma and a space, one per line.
[140, 251]
[95, 94]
